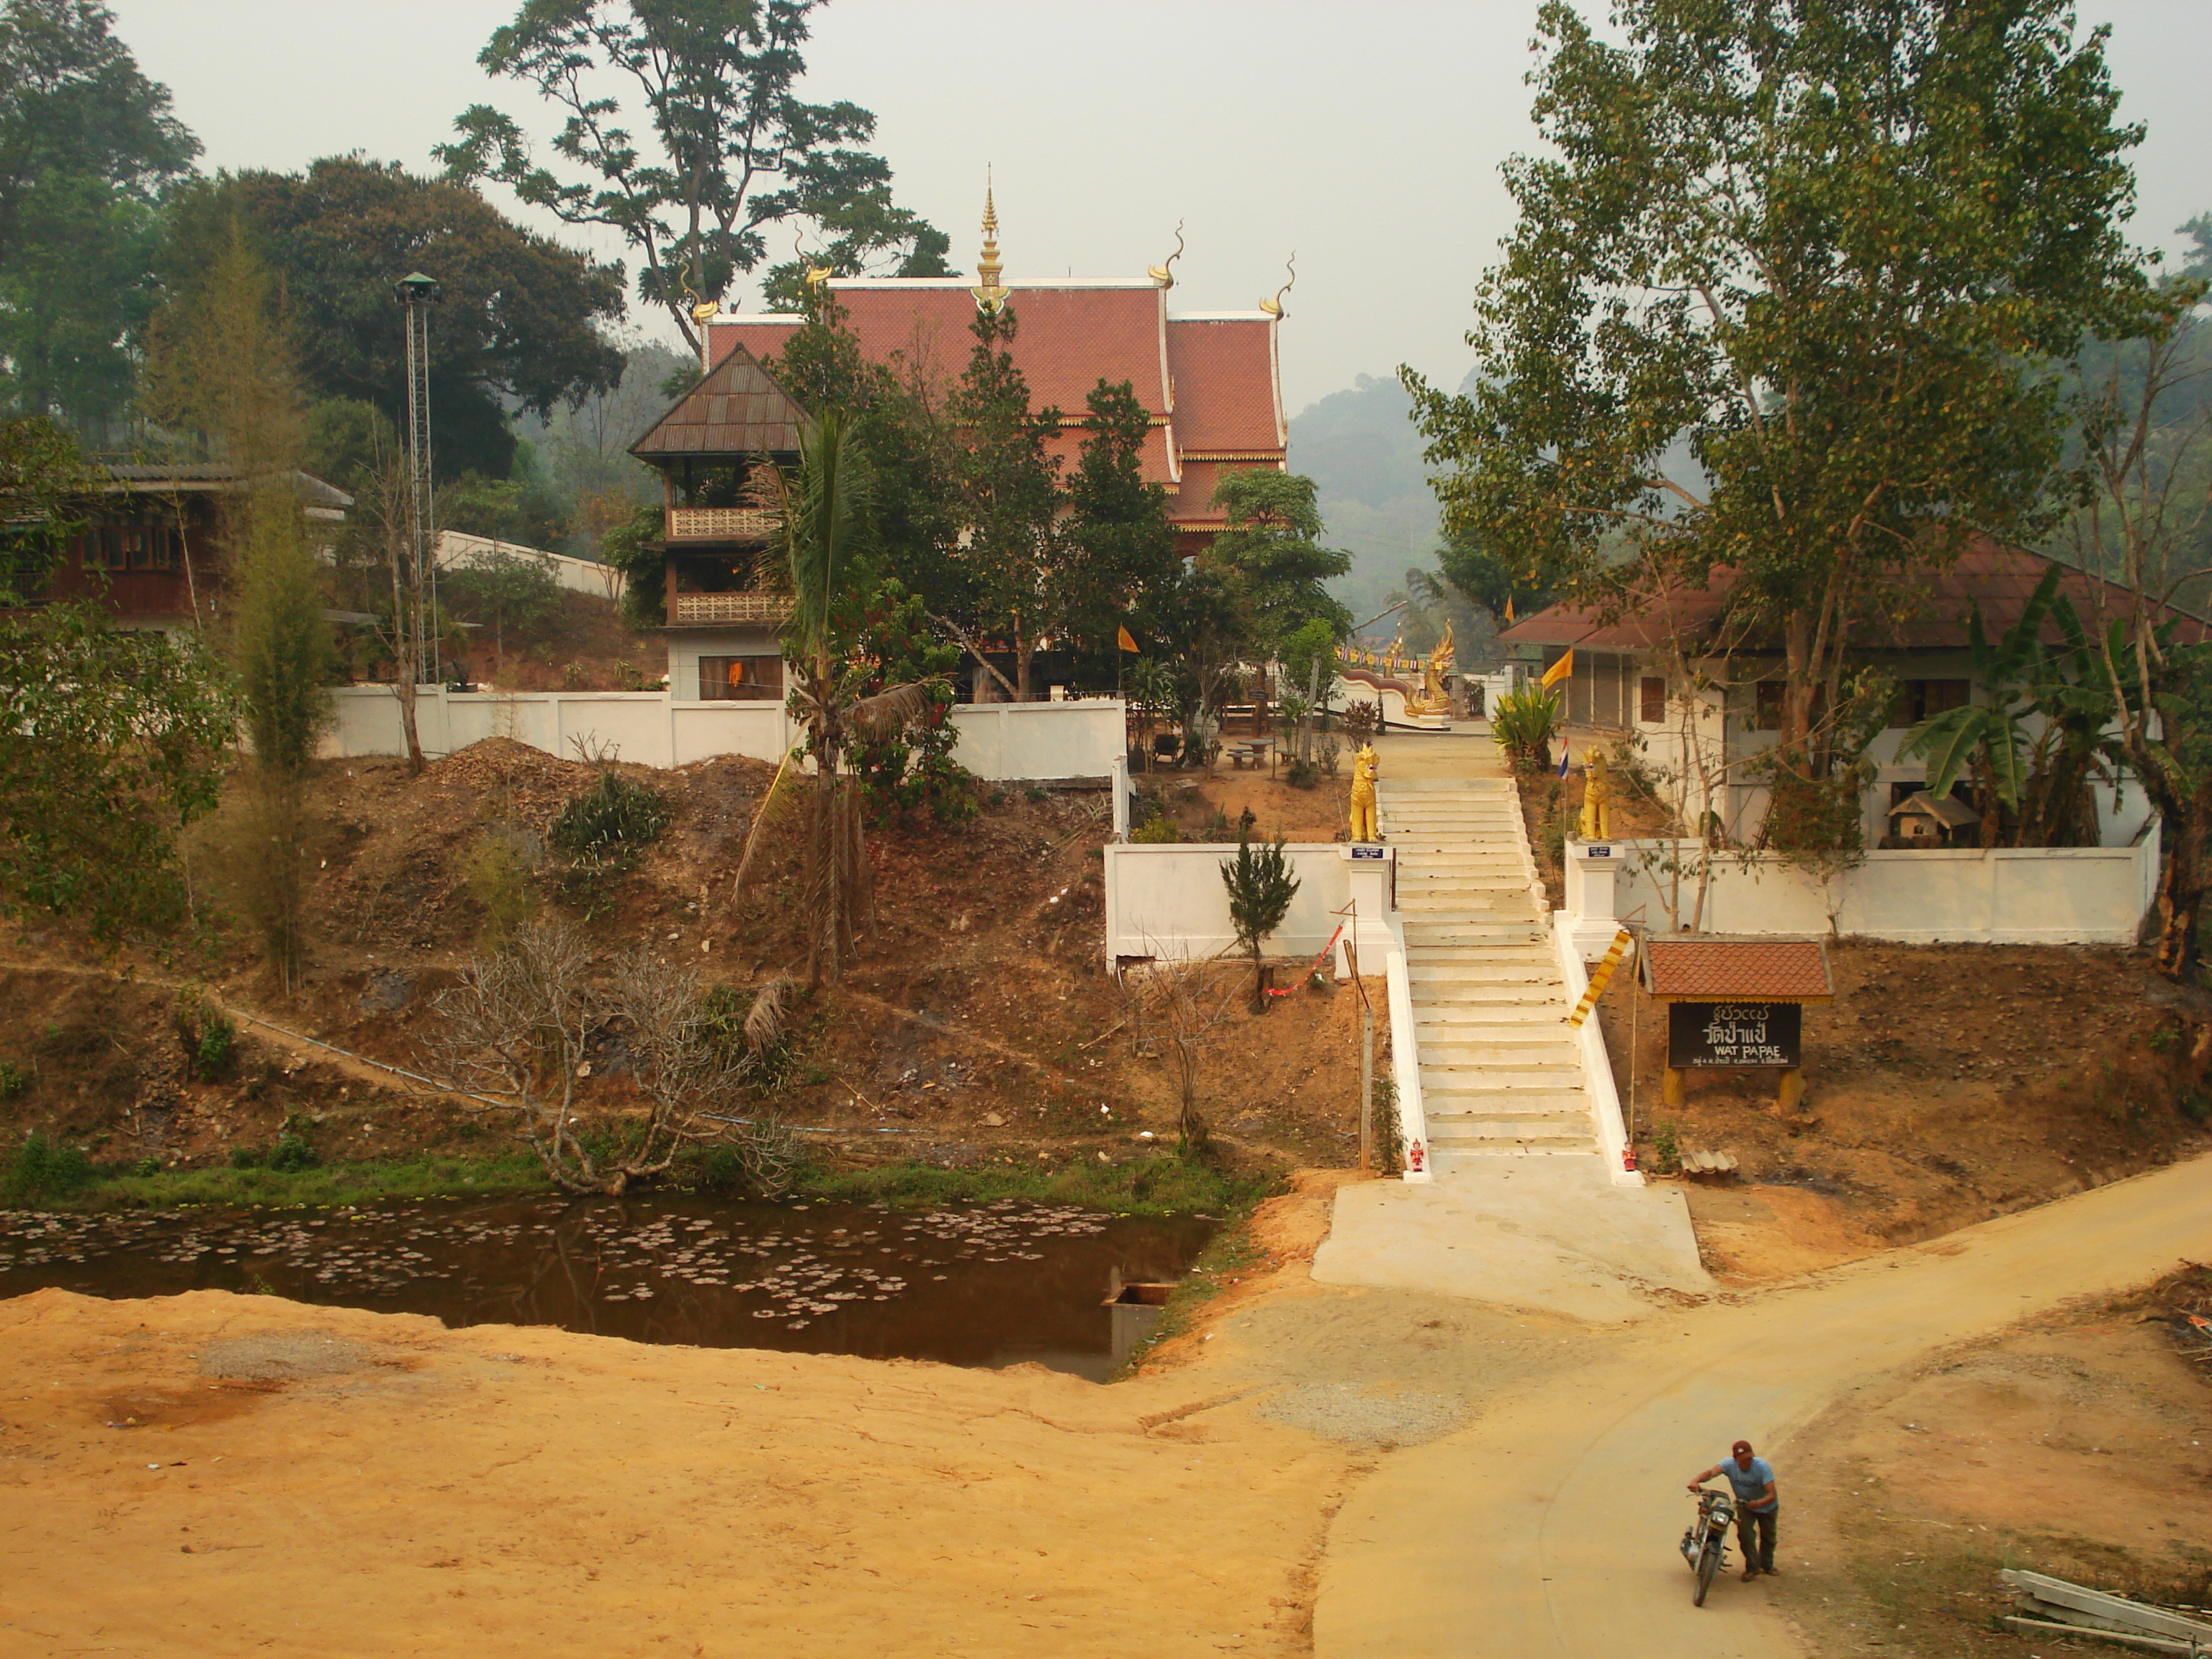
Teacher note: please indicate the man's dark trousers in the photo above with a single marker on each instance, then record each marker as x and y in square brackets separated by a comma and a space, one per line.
[1759, 1546]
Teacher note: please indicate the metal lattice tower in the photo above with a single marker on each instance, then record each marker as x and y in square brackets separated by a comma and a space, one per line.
[417, 293]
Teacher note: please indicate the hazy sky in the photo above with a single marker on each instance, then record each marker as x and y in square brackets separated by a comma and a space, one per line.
[1365, 137]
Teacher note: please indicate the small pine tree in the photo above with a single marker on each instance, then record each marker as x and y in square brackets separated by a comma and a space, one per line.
[1260, 888]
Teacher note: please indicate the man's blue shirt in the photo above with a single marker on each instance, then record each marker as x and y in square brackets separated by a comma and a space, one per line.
[1748, 1483]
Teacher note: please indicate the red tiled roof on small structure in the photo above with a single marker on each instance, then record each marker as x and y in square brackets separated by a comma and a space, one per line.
[1931, 609]
[1719, 968]
[1209, 379]
[737, 409]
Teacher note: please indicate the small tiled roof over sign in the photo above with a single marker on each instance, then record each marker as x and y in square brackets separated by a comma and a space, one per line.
[1717, 967]
[736, 411]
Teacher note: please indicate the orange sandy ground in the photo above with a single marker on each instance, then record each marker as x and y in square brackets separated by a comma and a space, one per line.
[499, 1489]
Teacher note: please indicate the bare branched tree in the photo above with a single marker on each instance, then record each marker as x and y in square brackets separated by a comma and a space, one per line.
[515, 1035]
[1176, 1010]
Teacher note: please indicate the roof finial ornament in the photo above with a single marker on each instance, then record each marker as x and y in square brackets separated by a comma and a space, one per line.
[989, 295]
[813, 275]
[1274, 308]
[1163, 276]
[703, 312]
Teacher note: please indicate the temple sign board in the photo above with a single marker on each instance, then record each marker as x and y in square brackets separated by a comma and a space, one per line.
[1736, 1004]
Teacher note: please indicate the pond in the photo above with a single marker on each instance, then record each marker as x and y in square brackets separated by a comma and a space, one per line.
[974, 1284]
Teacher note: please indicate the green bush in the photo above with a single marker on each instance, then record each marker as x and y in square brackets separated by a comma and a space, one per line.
[1155, 832]
[1523, 724]
[14, 1081]
[207, 1035]
[1302, 774]
[292, 1153]
[498, 872]
[45, 1167]
[609, 821]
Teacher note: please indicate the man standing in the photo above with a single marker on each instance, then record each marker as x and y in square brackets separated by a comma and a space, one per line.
[1757, 1506]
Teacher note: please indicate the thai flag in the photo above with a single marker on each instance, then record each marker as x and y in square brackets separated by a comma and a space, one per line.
[1562, 758]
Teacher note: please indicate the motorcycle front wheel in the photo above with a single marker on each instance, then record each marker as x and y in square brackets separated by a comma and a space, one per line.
[1709, 1564]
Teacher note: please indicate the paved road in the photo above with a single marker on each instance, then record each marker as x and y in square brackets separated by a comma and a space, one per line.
[1549, 1528]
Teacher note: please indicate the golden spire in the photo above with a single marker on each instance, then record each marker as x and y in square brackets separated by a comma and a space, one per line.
[989, 295]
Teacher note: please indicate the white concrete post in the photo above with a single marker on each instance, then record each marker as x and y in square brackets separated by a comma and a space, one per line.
[1369, 876]
[1591, 868]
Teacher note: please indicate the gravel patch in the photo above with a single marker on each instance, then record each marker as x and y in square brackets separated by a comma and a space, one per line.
[1341, 1411]
[282, 1356]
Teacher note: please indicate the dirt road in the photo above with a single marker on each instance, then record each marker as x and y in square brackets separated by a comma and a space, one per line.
[1550, 1526]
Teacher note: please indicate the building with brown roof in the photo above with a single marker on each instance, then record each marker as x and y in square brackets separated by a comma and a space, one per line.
[1624, 681]
[1209, 379]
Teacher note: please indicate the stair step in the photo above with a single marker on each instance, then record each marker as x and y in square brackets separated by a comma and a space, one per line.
[1447, 1079]
[1520, 995]
[1460, 1102]
[1533, 970]
[1484, 1059]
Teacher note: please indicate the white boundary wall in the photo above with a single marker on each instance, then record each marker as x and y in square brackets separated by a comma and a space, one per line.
[457, 550]
[998, 741]
[1168, 901]
[2002, 895]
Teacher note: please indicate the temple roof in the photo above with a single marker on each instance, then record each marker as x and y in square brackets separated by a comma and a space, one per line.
[1929, 609]
[1208, 381]
[738, 409]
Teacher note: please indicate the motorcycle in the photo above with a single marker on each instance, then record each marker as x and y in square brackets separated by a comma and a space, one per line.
[1705, 1540]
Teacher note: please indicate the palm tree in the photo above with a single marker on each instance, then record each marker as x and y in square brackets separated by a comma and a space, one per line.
[822, 514]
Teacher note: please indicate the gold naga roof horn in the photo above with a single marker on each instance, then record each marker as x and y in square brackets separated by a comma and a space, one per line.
[990, 296]
[1274, 308]
[1163, 276]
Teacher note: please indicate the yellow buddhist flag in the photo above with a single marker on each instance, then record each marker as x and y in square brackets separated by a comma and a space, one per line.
[1128, 641]
[1559, 670]
[1509, 609]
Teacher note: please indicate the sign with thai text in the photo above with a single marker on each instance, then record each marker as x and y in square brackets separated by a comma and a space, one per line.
[1367, 850]
[1707, 1033]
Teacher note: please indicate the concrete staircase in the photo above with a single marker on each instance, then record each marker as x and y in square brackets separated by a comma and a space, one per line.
[1501, 1072]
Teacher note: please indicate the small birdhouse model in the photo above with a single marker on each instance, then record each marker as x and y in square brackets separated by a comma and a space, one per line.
[1925, 820]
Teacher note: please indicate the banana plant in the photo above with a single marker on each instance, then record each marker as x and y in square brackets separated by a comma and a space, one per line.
[1991, 738]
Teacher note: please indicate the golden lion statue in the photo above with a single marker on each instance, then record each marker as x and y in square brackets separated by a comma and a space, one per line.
[1363, 794]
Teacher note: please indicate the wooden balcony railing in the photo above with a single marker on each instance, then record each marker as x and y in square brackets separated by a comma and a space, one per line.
[773, 609]
[721, 524]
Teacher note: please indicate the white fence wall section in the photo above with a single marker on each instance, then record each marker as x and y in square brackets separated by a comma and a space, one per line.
[2002, 895]
[1048, 741]
[1168, 901]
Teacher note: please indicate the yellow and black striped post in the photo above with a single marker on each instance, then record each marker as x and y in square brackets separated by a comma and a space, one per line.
[1599, 978]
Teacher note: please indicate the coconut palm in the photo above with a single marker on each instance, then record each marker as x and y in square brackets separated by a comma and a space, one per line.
[822, 512]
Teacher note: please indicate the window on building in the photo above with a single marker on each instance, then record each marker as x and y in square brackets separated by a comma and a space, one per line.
[1651, 700]
[740, 679]
[1918, 699]
[132, 547]
[1766, 706]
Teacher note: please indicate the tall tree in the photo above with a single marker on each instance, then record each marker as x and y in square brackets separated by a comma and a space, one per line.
[221, 367]
[86, 142]
[1829, 247]
[1011, 497]
[1271, 561]
[1118, 547]
[725, 147]
[822, 514]
[518, 322]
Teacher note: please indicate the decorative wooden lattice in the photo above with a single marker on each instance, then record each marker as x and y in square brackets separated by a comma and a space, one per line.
[731, 608]
[720, 524]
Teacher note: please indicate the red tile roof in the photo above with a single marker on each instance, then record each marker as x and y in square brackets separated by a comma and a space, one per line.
[1209, 382]
[1726, 970]
[1226, 400]
[1929, 610]
[1190, 506]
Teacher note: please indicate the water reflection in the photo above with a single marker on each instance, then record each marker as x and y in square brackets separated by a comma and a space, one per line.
[982, 1284]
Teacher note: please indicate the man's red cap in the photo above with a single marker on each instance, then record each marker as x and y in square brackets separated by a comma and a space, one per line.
[1740, 1446]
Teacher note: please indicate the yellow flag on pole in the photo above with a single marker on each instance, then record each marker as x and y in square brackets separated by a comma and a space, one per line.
[1559, 670]
[1509, 609]
[1129, 643]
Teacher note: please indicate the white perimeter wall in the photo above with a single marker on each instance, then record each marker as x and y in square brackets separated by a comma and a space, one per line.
[456, 549]
[1169, 901]
[2005, 896]
[1042, 740]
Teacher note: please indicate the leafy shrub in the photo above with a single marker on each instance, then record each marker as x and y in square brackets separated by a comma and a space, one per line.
[1523, 724]
[207, 1035]
[14, 1081]
[1302, 774]
[1666, 1146]
[609, 821]
[1362, 720]
[46, 1168]
[1156, 832]
[291, 1153]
